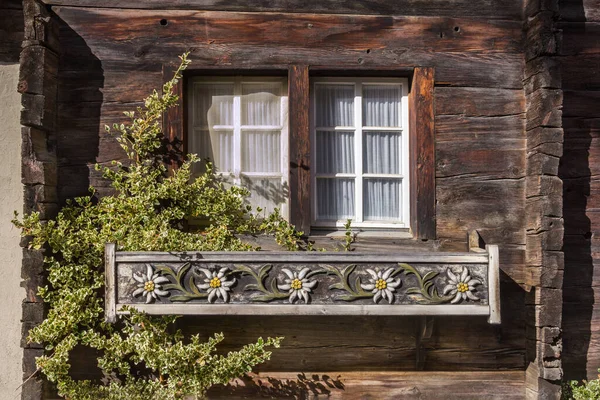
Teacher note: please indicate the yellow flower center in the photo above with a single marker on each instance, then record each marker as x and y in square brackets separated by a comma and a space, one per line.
[149, 286]
[215, 282]
[462, 287]
[296, 284]
[380, 284]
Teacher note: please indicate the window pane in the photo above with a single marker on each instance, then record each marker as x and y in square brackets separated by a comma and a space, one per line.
[216, 145]
[261, 104]
[334, 105]
[335, 198]
[381, 105]
[261, 151]
[335, 152]
[381, 199]
[266, 193]
[381, 152]
[213, 104]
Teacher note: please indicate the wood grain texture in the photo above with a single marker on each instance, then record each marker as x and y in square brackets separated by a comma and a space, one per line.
[112, 58]
[580, 173]
[422, 153]
[220, 32]
[300, 181]
[370, 385]
[458, 8]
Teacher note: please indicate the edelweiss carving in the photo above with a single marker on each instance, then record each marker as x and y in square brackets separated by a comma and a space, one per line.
[300, 284]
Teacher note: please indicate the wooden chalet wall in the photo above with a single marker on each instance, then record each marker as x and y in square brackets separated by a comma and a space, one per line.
[110, 58]
[579, 24]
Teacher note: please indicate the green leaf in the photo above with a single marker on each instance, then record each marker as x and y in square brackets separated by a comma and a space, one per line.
[251, 286]
[430, 275]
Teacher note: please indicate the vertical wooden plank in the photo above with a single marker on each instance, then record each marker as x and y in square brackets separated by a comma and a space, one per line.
[494, 283]
[299, 88]
[174, 122]
[110, 289]
[422, 154]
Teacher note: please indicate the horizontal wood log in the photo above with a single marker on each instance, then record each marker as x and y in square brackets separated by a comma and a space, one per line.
[580, 10]
[382, 385]
[481, 8]
[493, 159]
[579, 38]
[476, 102]
[459, 128]
[220, 31]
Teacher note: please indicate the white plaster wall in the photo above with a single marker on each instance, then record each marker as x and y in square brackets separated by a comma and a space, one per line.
[11, 199]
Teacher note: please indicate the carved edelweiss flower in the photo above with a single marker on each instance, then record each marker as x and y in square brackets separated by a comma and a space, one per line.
[216, 284]
[298, 285]
[382, 285]
[149, 284]
[461, 286]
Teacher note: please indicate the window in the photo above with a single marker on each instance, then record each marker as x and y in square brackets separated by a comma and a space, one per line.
[347, 153]
[359, 146]
[241, 125]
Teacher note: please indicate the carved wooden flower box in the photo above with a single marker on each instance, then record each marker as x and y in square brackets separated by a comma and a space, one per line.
[303, 283]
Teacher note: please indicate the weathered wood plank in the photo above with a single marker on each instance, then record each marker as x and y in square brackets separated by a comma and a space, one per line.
[580, 10]
[579, 38]
[502, 70]
[459, 128]
[478, 102]
[220, 31]
[493, 158]
[11, 34]
[458, 8]
[461, 199]
[381, 385]
[422, 153]
[290, 309]
[301, 257]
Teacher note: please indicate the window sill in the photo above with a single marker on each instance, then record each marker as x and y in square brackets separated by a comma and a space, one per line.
[399, 233]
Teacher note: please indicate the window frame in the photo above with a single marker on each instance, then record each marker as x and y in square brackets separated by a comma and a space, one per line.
[359, 175]
[421, 121]
[237, 81]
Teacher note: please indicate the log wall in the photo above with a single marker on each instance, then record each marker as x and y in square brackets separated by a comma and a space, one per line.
[580, 170]
[111, 58]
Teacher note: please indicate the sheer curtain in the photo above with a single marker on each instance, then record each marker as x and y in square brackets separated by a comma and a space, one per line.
[379, 145]
[238, 125]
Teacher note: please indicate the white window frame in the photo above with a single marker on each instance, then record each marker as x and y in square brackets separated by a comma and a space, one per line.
[238, 128]
[358, 175]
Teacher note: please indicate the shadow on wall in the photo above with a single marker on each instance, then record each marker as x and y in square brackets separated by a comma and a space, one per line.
[579, 79]
[80, 80]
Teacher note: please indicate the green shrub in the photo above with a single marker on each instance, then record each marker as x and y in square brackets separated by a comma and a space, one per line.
[587, 390]
[142, 357]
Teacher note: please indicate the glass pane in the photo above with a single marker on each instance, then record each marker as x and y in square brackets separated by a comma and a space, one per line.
[261, 151]
[381, 199]
[381, 152]
[335, 152]
[266, 193]
[217, 146]
[334, 105]
[381, 105]
[213, 104]
[261, 104]
[335, 198]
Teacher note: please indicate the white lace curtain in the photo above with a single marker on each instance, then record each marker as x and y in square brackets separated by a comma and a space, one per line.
[219, 110]
[336, 152]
